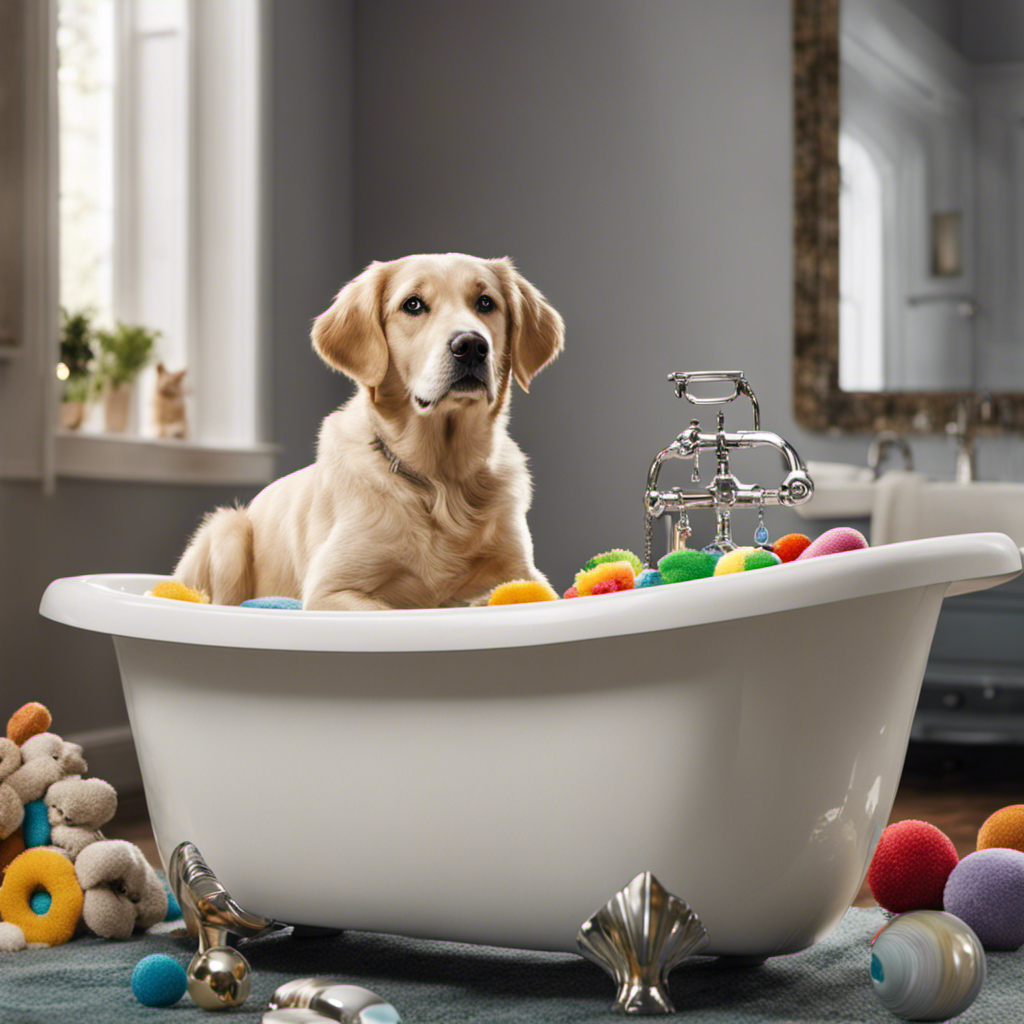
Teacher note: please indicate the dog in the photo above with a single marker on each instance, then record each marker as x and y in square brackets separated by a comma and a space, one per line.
[418, 496]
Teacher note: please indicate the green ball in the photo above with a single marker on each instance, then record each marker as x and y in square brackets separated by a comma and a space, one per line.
[686, 564]
[759, 558]
[615, 555]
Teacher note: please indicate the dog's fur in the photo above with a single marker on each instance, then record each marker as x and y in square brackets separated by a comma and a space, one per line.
[418, 496]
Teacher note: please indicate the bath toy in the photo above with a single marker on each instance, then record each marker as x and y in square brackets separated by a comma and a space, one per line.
[77, 809]
[791, 546]
[621, 572]
[175, 591]
[521, 592]
[292, 604]
[571, 592]
[1004, 828]
[46, 759]
[927, 965]
[842, 538]
[649, 578]
[746, 559]
[29, 720]
[12, 938]
[615, 555]
[351, 1004]
[986, 889]
[50, 871]
[158, 980]
[35, 827]
[686, 564]
[911, 864]
[121, 891]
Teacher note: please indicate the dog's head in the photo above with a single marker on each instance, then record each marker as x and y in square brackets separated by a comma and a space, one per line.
[439, 331]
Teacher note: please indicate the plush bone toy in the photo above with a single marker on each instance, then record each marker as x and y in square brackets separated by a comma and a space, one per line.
[122, 891]
[77, 808]
[46, 759]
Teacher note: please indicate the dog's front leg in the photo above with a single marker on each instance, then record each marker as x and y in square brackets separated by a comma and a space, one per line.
[343, 601]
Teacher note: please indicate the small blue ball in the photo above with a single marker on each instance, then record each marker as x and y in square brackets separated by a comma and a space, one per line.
[158, 980]
[36, 826]
[40, 902]
[649, 578]
[281, 603]
[173, 910]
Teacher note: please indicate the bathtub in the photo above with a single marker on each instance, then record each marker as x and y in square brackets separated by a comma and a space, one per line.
[495, 775]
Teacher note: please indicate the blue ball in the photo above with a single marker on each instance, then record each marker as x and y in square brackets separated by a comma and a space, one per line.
[281, 603]
[649, 578]
[158, 980]
[40, 902]
[173, 910]
[36, 826]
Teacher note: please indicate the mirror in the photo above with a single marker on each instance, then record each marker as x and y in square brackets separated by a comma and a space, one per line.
[909, 189]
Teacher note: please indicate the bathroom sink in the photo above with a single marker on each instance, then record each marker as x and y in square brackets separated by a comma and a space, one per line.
[908, 506]
[841, 491]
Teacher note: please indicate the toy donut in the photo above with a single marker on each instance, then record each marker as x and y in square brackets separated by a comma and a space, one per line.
[54, 873]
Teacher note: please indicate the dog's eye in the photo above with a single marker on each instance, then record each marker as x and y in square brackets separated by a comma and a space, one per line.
[485, 304]
[414, 305]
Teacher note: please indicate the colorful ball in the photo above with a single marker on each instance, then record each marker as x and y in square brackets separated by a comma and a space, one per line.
[175, 591]
[571, 592]
[927, 965]
[686, 564]
[986, 889]
[521, 592]
[649, 578]
[745, 559]
[761, 558]
[1004, 828]
[911, 864]
[291, 604]
[791, 547]
[622, 572]
[615, 555]
[36, 826]
[26, 875]
[158, 980]
[832, 542]
[40, 902]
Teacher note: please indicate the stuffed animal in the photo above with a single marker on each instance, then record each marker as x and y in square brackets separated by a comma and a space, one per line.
[77, 808]
[169, 403]
[46, 759]
[122, 891]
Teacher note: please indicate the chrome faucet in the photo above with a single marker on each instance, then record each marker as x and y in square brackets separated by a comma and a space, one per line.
[964, 430]
[881, 443]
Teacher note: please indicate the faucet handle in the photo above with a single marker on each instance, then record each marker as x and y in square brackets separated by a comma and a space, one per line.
[736, 378]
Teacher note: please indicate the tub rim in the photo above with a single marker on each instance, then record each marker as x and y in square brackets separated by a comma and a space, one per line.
[114, 603]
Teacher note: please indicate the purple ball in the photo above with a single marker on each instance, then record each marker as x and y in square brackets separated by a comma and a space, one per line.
[986, 889]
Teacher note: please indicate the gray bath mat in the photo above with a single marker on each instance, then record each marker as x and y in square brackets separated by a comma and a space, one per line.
[87, 981]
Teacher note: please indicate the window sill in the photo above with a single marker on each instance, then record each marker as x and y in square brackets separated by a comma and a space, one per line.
[156, 460]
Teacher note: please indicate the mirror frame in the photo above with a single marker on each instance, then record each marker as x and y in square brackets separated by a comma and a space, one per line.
[819, 402]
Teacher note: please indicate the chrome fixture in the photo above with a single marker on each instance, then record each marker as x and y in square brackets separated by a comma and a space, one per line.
[963, 430]
[325, 1000]
[725, 491]
[638, 936]
[881, 443]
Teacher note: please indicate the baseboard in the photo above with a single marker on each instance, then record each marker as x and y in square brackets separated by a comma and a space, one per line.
[110, 754]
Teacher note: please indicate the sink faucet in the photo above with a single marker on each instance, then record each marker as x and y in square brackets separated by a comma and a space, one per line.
[881, 443]
[964, 431]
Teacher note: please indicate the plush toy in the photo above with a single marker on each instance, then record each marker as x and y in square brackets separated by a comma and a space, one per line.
[29, 720]
[746, 559]
[832, 542]
[175, 591]
[686, 564]
[50, 871]
[521, 592]
[608, 576]
[910, 867]
[77, 808]
[791, 547]
[615, 555]
[46, 759]
[36, 827]
[122, 892]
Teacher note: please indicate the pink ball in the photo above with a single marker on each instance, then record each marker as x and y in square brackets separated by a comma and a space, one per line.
[842, 538]
[986, 889]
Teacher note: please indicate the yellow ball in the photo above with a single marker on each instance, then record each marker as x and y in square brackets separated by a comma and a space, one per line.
[42, 869]
[521, 592]
[734, 561]
[175, 591]
[1004, 829]
[621, 572]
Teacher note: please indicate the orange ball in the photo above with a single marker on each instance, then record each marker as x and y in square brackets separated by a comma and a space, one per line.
[521, 592]
[1003, 829]
[791, 546]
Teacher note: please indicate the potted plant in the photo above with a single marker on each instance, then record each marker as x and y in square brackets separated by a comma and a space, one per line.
[123, 352]
[75, 367]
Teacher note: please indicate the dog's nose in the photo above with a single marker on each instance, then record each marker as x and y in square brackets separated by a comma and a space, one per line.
[469, 348]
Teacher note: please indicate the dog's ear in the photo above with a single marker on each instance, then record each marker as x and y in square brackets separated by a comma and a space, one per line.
[536, 331]
[350, 335]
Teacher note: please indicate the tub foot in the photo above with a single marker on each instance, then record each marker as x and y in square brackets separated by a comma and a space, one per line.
[219, 977]
[638, 936]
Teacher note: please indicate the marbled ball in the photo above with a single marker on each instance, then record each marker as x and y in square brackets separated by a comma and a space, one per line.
[158, 980]
[927, 965]
[986, 889]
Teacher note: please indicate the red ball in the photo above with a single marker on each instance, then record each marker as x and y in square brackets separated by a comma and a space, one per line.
[791, 547]
[912, 862]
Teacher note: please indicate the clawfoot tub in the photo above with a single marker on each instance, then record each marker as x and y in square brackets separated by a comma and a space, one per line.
[496, 775]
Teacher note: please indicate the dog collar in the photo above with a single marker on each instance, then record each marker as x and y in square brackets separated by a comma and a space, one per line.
[396, 465]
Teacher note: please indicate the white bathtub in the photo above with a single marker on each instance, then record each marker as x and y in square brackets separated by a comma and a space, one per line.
[495, 775]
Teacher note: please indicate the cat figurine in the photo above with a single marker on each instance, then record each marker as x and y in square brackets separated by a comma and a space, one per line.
[169, 403]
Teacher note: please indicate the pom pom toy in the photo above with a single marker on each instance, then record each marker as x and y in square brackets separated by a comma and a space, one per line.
[686, 564]
[791, 547]
[36, 826]
[1004, 828]
[50, 871]
[746, 559]
[571, 592]
[158, 980]
[521, 592]
[175, 591]
[278, 603]
[40, 902]
[29, 720]
[649, 578]
[832, 542]
[615, 555]
[911, 864]
[12, 938]
[986, 889]
[621, 572]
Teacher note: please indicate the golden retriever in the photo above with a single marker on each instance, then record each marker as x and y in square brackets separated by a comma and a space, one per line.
[418, 495]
